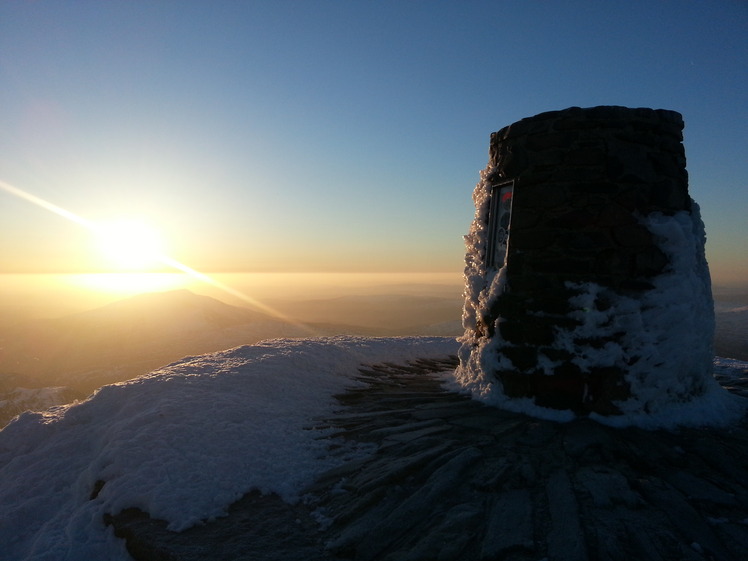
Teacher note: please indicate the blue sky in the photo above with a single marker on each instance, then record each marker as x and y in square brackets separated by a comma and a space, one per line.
[336, 136]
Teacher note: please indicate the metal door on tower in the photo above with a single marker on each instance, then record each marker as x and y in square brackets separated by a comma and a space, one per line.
[499, 220]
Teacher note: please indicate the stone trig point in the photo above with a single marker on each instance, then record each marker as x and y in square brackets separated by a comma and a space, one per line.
[587, 289]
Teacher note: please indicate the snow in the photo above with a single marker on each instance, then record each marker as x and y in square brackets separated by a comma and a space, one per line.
[479, 355]
[181, 443]
[666, 350]
[20, 399]
[728, 366]
[672, 330]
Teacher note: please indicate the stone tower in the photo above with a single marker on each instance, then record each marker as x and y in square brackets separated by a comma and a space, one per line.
[587, 290]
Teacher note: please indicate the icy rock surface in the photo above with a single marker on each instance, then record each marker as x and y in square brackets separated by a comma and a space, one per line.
[453, 479]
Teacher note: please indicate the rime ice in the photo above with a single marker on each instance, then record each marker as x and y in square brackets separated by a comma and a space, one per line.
[602, 306]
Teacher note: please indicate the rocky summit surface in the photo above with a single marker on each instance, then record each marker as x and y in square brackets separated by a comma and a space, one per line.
[452, 479]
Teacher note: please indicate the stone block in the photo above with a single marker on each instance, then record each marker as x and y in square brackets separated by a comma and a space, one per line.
[613, 262]
[565, 538]
[527, 218]
[528, 331]
[509, 526]
[606, 188]
[532, 239]
[614, 214]
[510, 304]
[511, 331]
[671, 144]
[571, 219]
[541, 142]
[537, 331]
[523, 358]
[665, 164]
[589, 241]
[573, 123]
[551, 157]
[581, 173]
[529, 194]
[514, 383]
[554, 354]
[633, 197]
[570, 266]
[639, 133]
[650, 261]
[586, 157]
[670, 195]
[550, 302]
[634, 285]
[632, 235]
[530, 283]
[514, 161]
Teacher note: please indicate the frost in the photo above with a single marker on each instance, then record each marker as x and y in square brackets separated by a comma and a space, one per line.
[661, 338]
[182, 443]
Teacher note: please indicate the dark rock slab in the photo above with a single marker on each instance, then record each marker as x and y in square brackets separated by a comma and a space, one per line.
[452, 479]
[565, 539]
[258, 527]
[509, 525]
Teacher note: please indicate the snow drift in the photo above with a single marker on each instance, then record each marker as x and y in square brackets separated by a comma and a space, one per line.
[182, 443]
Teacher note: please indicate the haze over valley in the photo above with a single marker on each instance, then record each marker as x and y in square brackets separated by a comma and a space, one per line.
[54, 360]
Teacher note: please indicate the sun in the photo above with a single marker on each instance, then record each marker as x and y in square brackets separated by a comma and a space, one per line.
[131, 244]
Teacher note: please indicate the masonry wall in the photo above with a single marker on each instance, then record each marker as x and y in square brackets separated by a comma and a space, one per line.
[586, 182]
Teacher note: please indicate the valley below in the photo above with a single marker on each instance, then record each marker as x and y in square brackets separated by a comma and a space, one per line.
[52, 361]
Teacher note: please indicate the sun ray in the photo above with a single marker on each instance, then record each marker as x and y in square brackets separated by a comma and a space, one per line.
[233, 292]
[166, 260]
[38, 201]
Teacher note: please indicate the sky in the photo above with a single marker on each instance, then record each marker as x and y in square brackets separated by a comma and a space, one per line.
[333, 136]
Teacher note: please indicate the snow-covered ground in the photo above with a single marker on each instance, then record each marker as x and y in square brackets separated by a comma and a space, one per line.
[184, 442]
[22, 399]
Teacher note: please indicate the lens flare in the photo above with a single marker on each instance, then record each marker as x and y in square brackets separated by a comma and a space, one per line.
[131, 244]
[141, 241]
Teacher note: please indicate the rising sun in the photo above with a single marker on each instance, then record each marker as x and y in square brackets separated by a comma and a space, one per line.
[131, 244]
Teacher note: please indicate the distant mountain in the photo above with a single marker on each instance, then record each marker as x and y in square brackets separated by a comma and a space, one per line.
[48, 362]
[67, 358]
[446, 328]
[163, 309]
[402, 314]
[731, 337]
[18, 400]
[132, 337]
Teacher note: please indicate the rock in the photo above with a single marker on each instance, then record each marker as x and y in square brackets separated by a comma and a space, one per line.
[509, 525]
[565, 539]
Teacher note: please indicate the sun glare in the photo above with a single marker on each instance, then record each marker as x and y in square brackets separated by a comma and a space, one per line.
[131, 245]
[128, 284]
[137, 247]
